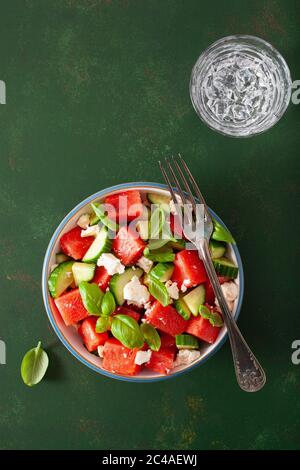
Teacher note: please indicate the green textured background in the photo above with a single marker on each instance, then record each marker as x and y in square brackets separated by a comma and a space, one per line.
[97, 92]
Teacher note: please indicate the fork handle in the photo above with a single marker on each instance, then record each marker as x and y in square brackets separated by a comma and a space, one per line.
[249, 373]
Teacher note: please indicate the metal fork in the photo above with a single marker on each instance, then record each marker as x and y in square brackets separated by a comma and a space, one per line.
[249, 373]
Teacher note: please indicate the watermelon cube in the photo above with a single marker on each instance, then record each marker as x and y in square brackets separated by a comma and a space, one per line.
[188, 269]
[161, 361]
[166, 319]
[203, 329]
[128, 246]
[101, 277]
[72, 244]
[167, 341]
[118, 359]
[127, 205]
[90, 338]
[70, 307]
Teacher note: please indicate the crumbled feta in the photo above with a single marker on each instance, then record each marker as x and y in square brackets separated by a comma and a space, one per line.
[186, 356]
[100, 351]
[172, 207]
[90, 231]
[230, 291]
[84, 221]
[136, 293]
[184, 285]
[172, 289]
[53, 267]
[142, 357]
[145, 263]
[111, 263]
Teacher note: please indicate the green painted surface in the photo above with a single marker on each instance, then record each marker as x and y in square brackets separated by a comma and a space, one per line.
[97, 91]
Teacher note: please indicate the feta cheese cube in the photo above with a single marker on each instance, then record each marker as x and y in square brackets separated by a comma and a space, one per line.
[142, 357]
[172, 289]
[90, 231]
[186, 356]
[100, 351]
[136, 293]
[145, 263]
[84, 221]
[230, 291]
[111, 263]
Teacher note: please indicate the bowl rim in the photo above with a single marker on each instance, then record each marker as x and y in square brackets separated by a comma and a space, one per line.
[69, 347]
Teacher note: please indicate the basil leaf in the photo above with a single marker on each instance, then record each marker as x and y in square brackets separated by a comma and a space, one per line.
[156, 244]
[127, 331]
[103, 217]
[204, 312]
[151, 336]
[157, 221]
[108, 304]
[167, 257]
[34, 365]
[216, 319]
[103, 324]
[91, 296]
[158, 290]
[221, 233]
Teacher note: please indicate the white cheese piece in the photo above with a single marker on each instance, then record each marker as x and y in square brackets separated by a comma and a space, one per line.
[145, 263]
[111, 263]
[142, 357]
[230, 291]
[136, 293]
[186, 356]
[100, 351]
[84, 221]
[90, 231]
[183, 286]
[172, 289]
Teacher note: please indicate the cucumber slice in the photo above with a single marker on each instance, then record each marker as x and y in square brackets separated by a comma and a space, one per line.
[161, 255]
[225, 267]
[182, 309]
[83, 272]
[195, 298]
[146, 279]
[119, 281]
[160, 200]
[217, 249]
[61, 257]
[60, 279]
[186, 342]
[162, 272]
[177, 244]
[101, 244]
[142, 227]
[100, 214]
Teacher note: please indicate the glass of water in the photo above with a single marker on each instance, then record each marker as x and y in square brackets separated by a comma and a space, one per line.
[240, 86]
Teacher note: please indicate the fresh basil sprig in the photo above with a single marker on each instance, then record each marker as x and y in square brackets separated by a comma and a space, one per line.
[34, 365]
[151, 336]
[108, 304]
[127, 331]
[91, 296]
[159, 291]
[214, 318]
[103, 324]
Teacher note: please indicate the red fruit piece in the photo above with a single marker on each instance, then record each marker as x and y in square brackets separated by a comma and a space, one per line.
[119, 359]
[128, 246]
[90, 338]
[167, 341]
[101, 277]
[188, 269]
[127, 204]
[166, 319]
[72, 244]
[161, 361]
[70, 307]
[202, 329]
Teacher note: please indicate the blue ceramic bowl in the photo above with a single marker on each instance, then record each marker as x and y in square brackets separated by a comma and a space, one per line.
[68, 334]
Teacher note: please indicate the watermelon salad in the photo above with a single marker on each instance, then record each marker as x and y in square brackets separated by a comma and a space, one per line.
[135, 289]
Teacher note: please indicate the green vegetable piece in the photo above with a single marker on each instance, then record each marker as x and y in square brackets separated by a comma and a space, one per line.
[119, 281]
[157, 221]
[103, 217]
[182, 309]
[127, 331]
[159, 199]
[103, 324]
[195, 298]
[34, 365]
[161, 255]
[216, 319]
[91, 296]
[61, 257]
[186, 342]
[108, 304]
[221, 233]
[60, 278]
[204, 312]
[217, 249]
[156, 244]
[83, 272]
[225, 267]
[159, 291]
[101, 244]
[151, 336]
[162, 272]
